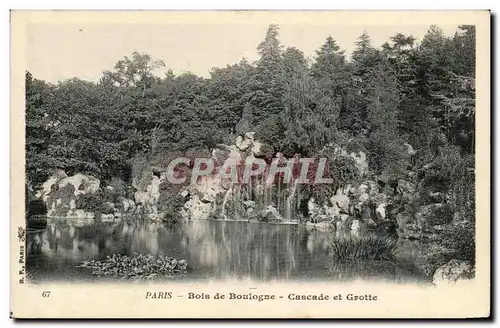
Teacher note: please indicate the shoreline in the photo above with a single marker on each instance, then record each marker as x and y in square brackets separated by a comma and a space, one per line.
[324, 226]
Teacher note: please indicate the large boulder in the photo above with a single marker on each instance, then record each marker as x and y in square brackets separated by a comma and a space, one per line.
[453, 271]
[409, 149]
[65, 192]
[381, 212]
[125, 205]
[355, 226]
[243, 143]
[196, 209]
[208, 189]
[249, 204]
[248, 142]
[341, 202]
[82, 184]
[47, 186]
[405, 187]
[202, 204]
[271, 214]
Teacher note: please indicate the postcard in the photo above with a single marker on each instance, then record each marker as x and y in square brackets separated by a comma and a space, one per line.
[250, 164]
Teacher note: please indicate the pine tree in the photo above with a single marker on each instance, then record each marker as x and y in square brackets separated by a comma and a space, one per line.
[329, 62]
[363, 67]
[298, 117]
[245, 123]
[267, 88]
[330, 71]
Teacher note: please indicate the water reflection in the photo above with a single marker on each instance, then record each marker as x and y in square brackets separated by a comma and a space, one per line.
[214, 249]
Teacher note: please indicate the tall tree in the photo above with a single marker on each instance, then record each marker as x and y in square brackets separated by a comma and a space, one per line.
[400, 53]
[464, 42]
[331, 74]
[364, 68]
[229, 91]
[298, 102]
[267, 88]
[39, 161]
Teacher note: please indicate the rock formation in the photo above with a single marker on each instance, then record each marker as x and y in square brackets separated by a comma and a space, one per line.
[453, 271]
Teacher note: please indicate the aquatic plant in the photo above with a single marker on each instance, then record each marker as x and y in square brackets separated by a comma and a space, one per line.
[368, 247]
[136, 266]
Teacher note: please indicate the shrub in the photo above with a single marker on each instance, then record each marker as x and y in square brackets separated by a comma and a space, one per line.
[229, 138]
[448, 172]
[92, 202]
[435, 255]
[461, 238]
[439, 215]
[141, 171]
[36, 207]
[271, 131]
[369, 247]
[387, 155]
[453, 173]
[341, 168]
[350, 144]
[463, 191]
[171, 203]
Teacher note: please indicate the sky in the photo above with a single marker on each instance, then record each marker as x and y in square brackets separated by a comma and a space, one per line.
[61, 51]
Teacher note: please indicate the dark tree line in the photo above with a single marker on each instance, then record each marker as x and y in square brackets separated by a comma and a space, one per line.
[380, 98]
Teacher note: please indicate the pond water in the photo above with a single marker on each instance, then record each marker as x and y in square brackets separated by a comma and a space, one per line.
[213, 249]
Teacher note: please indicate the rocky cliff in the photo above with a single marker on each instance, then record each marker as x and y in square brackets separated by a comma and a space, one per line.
[407, 205]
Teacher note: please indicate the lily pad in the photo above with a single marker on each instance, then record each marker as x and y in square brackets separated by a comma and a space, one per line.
[136, 266]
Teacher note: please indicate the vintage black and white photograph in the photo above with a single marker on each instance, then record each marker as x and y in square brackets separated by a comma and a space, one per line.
[263, 150]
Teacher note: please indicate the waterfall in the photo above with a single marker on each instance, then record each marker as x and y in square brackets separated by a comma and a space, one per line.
[289, 210]
[226, 197]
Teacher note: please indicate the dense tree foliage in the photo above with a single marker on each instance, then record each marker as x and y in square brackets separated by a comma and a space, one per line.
[382, 97]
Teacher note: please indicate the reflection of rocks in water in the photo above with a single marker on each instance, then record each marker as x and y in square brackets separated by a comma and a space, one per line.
[317, 242]
[262, 250]
[242, 249]
[145, 239]
[34, 244]
[212, 248]
[62, 241]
